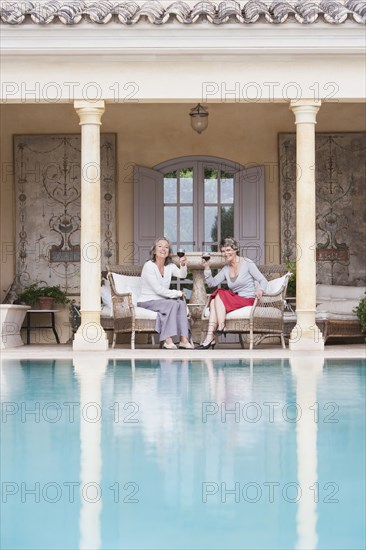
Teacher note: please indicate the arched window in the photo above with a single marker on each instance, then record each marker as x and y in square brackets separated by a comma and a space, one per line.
[197, 201]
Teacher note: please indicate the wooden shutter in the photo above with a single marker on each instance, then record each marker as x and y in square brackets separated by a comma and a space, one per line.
[148, 211]
[249, 213]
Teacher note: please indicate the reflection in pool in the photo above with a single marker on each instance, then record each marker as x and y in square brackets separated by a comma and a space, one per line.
[183, 454]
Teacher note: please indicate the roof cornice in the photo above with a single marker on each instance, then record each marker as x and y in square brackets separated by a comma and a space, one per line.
[196, 43]
[187, 12]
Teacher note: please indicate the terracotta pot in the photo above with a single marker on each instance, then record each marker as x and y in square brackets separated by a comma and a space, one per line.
[46, 302]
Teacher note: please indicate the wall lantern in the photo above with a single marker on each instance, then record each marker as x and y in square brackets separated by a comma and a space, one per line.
[199, 118]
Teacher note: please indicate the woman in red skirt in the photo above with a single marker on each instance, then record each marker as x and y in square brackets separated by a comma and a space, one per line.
[240, 275]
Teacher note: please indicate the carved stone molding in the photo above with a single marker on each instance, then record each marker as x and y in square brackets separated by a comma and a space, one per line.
[48, 208]
[130, 12]
[340, 205]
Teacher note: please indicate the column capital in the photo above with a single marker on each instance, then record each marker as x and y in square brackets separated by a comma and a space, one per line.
[305, 110]
[88, 112]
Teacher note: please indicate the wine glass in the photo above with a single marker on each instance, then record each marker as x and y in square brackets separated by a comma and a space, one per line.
[181, 252]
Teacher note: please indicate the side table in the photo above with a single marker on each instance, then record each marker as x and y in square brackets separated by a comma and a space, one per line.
[52, 326]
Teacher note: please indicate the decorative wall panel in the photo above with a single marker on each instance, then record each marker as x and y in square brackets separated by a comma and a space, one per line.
[340, 174]
[48, 218]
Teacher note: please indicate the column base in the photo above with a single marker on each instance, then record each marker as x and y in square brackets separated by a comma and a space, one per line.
[306, 340]
[90, 337]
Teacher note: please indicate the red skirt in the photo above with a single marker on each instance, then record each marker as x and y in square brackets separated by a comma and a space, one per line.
[231, 300]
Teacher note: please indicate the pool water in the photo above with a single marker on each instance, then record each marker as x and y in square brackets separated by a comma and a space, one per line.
[183, 454]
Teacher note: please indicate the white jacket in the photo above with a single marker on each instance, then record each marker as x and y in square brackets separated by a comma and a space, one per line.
[156, 287]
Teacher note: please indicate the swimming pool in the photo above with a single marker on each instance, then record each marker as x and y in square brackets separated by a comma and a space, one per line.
[183, 454]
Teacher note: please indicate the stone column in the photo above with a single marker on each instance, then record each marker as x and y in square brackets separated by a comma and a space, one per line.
[305, 335]
[90, 335]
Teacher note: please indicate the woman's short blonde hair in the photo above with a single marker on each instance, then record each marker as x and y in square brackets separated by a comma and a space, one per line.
[230, 242]
[152, 257]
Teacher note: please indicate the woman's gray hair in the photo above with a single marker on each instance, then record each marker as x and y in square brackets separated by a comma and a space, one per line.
[230, 242]
[152, 257]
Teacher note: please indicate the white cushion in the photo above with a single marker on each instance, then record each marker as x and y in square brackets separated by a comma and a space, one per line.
[106, 311]
[140, 312]
[339, 307]
[274, 286]
[126, 283]
[143, 313]
[339, 292]
[322, 316]
[340, 317]
[244, 312]
[106, 294]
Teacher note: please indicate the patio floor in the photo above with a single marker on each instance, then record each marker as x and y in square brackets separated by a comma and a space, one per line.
[65, 351]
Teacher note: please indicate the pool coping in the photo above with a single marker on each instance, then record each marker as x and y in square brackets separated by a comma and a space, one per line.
[65, 351]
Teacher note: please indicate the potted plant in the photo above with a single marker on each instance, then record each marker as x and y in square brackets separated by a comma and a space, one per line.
[45, 296]
[360, 311]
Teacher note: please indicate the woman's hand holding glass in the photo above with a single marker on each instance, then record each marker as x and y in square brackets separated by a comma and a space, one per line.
[206, 257]
[181, 253]
[183, 261]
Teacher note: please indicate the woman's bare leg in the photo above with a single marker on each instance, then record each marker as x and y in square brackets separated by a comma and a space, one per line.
[220, 312]
[212, 324]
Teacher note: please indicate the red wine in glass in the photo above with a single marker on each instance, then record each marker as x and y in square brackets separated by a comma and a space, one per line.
[181, 252]
[206, 256]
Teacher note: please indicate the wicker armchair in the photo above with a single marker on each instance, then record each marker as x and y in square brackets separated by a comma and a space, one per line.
[264, 318]
[127, 317]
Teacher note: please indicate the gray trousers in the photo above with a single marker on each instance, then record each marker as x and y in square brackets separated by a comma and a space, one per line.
[172, 318]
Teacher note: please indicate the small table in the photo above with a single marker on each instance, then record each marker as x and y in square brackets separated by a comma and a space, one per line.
[52, 326]
[195, 265]
[198, 297]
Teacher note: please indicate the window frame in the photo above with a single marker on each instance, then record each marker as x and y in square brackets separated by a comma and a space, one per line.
[198, 164]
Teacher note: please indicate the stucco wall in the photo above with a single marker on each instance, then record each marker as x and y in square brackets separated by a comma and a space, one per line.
[150, 134]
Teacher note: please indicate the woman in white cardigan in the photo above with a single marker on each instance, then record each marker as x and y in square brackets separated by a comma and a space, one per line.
[156, 295]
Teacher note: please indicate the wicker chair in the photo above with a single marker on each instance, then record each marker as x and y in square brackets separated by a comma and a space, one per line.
[127, 318]
[264, 318]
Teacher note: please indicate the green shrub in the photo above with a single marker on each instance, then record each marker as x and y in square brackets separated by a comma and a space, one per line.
[291, 286]
[360, 311]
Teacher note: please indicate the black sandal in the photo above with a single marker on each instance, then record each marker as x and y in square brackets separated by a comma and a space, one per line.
[220, 332]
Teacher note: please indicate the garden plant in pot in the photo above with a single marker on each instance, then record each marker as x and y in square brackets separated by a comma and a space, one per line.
[44, 297]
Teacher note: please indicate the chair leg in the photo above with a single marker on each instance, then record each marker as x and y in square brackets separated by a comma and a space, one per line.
[251, 341]
[114, 339]
[242, 340]
[133, 340]
[282, 341]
